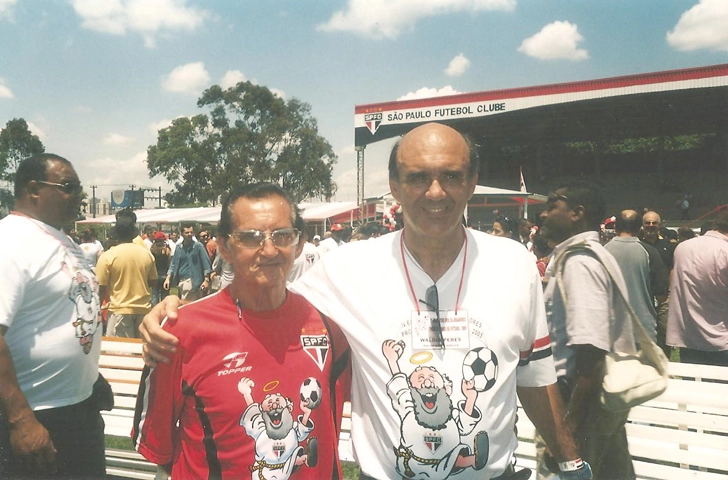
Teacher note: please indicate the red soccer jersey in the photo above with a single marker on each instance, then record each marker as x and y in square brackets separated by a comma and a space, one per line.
[236, 399]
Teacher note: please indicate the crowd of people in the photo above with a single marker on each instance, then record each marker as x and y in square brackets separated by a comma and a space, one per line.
[433, 331]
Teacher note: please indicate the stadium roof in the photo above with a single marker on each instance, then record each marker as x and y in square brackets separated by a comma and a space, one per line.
[678, 102]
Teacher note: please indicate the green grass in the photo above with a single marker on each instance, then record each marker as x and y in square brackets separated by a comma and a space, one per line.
[120, 443]
[351, 471]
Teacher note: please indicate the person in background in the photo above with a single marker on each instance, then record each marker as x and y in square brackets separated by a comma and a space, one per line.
[699, 297]
[162, 257]
[587, 318]
[685, 233]
[504, 226]
[334, 239]
[92, 248]
[190, 267]
[126, 274]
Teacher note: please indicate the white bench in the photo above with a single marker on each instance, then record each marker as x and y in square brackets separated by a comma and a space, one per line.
[683, 434]
[121, 364]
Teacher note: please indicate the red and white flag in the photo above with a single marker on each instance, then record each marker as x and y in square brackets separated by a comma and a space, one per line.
[523, 182]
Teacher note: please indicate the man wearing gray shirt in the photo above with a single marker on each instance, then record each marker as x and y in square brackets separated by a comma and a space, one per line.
[643, 270]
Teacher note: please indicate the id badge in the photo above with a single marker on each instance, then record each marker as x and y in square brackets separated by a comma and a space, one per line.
[455, 330]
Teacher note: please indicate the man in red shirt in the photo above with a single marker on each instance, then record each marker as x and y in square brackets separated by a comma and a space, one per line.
[230, 402]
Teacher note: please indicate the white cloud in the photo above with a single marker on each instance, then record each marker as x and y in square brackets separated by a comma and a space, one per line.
[555, 41]
[426, 92]
[232, 78]
[156, 127]
[145, 17]
[6, 9]
[5, 91]
[457, 66]
[36, 130]
[190, 78]
[114, 174]
[703, 26]
[279, 92]
[116, 139]
[388, 18]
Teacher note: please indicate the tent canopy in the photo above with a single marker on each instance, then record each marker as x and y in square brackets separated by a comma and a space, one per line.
[312, 212]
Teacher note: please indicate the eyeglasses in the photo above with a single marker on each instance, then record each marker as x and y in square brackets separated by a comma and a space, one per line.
[67, 187]
[432, 301]
[285, 237]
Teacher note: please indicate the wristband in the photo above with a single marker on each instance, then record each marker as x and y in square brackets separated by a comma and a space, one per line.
[571, 465]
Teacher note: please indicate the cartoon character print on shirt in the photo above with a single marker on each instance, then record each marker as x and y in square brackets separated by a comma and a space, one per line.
[84, 294]
[277, 434]
[431, 427]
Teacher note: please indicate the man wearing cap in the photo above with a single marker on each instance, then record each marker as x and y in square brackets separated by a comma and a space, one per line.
[335, 240]
[316, 240]
[127, 273]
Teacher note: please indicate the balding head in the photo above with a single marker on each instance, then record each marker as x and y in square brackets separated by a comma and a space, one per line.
[628, 222]
[422, 139]
[651, 226]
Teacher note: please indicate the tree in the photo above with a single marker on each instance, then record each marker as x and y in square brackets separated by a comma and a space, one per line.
[16, 144]
[249, 135]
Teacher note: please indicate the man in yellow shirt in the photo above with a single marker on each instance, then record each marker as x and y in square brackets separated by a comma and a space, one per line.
[126, 272]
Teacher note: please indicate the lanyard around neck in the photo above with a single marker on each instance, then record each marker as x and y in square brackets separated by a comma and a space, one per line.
[409, 280]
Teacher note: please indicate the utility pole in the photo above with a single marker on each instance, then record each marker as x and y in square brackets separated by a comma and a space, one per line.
[93, 201]
[132, 196]
[360, 182]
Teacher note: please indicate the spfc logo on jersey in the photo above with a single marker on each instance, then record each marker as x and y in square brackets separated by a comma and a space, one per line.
[372, 121]
[279, 449]
[433, 442]
[317, 347]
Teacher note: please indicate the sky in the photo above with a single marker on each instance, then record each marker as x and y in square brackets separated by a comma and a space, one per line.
[96, 79]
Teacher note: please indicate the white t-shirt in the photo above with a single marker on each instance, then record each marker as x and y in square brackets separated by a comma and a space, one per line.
[49, 303]
[309, 255]
[92, 251]
[363, 287]
[328, 244]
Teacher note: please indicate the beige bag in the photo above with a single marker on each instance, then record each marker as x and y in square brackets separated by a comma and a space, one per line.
[630, 379]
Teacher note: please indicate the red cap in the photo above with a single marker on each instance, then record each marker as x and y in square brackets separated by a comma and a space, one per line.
[159, 235]
[336, 227]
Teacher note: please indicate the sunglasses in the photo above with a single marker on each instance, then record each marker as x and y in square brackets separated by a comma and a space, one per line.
[67, 187]
[285, 237]
[432, 301]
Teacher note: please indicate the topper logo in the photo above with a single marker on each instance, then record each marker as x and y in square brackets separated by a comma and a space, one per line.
[235, 360]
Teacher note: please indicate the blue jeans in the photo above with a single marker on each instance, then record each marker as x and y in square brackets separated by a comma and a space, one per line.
[158, 292]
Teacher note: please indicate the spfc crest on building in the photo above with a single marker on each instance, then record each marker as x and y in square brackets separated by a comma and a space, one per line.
[372, 121]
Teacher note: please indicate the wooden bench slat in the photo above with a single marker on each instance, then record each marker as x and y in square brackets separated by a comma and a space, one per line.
[655, 471]
[693, 370]
[665, 452]
[673, 418]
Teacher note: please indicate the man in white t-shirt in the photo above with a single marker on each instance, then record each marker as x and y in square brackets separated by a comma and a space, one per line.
[443, 322]
[50, 337]
[336, 239]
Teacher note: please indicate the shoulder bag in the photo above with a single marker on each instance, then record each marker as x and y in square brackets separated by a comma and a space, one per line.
[630, 379]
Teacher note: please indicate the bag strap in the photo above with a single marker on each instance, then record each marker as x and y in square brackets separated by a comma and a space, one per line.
[644, 338]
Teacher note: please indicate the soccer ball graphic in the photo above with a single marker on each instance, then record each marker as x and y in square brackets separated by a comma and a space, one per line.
[481, 366]
[311, 390]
